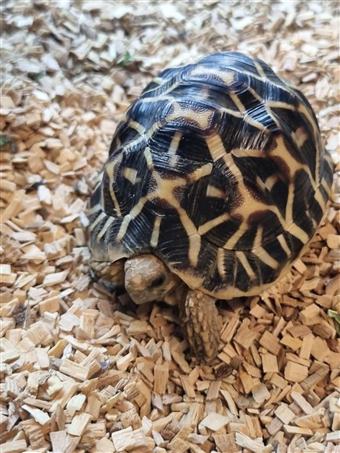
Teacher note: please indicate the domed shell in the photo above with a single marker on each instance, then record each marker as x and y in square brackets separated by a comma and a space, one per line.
[218, 169]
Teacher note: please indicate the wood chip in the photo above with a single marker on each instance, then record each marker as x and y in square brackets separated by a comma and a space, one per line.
[246, 442]
[302, 402]
[128, 439]
[79, 424]
[284, 413]
[270, 342]
[269, 363]
[39, 416]
[55, 278]
[161, 378]
[15, 446]
[215, 421]
[296, 430]
[333, 437]
[295, 372]
[260, 393]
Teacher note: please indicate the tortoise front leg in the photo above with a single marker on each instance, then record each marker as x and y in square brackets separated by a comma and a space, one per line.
[111, 275]
[202, 324]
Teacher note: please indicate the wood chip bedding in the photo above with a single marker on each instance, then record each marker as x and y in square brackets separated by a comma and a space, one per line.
[84, 371]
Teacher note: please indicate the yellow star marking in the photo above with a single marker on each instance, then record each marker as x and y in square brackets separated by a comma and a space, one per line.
[220, 263]
[215, 146]
[164, 189]
[303, 109]
[202, 118]
[159, 98]
[215, 192]
[144, 137]
[279, 105]
[234, 113]
[326, 186]
[200, 172]
[109, 168]
[266, 258]
[245, 263]
[246, 118]
[207, 226]
[106, 226]
[155, 231]
[285, 88]
[319, 198]
[136, 126]
[175, 143]
[260, 184]
[247, 152]
[226, 76]
[300, 137]
[130, 174]
[271, 181]
[148, 158]
[94, 209]
[231, 242]
[164, 93]
[298, 232]
[250, 204]
[258, 238]
[132, 215]
[292, 164]
[267, 184]
[260, 70]
[194, 244]
[291, 227]
[101, 217]
[284, 244]
[237, 102]
[255, 94]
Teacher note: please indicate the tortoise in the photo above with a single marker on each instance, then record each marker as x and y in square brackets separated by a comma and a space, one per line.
[215, 182]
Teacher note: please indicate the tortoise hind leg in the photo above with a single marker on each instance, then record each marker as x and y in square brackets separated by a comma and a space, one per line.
[202, 324]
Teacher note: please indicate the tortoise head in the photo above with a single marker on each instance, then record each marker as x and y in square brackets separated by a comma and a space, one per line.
[147, 279]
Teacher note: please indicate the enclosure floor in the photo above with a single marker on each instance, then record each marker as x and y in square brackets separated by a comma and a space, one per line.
[86, 371]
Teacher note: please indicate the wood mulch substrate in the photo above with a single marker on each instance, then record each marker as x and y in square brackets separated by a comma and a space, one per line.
[84, 371]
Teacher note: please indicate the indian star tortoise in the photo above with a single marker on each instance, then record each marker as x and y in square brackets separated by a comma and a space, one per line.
[215, 182]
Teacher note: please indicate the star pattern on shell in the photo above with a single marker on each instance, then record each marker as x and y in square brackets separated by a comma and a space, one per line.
[219, 170]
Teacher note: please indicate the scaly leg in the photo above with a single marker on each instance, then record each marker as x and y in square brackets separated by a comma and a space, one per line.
[202, 324]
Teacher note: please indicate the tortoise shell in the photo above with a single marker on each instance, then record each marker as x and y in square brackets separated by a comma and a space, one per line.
[218, 169]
